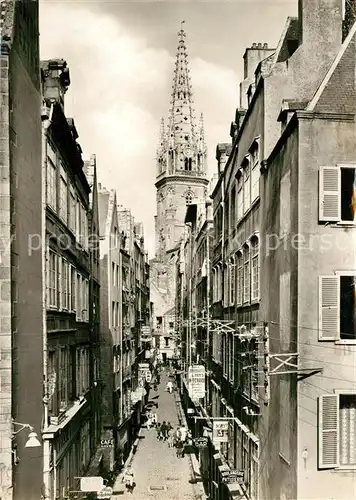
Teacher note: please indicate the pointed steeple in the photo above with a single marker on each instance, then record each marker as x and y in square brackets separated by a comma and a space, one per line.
[184, 148]
[181, 113]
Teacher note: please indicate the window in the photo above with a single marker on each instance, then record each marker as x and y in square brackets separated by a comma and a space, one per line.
[240, 280]
[166, 341]
[73, 288]
[246, 275]
[64, 284]
[77, 220]
[113, 274]
[52, 280]
[72, 209]
[255, 292]
[337, 431]
[63, 195]
[233, 209]
[51, 186]
[63, 379]
[226, 286]
[255, 173]
[232, 281]
[246, 181]
[240, 198]
[337, 194]
[337, 306]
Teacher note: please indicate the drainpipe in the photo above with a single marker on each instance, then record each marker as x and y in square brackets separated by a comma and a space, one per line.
[47, 494]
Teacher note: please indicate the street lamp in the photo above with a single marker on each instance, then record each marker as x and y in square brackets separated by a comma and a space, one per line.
[32, 440]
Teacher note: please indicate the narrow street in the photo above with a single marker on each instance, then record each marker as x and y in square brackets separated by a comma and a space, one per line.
[158, 473]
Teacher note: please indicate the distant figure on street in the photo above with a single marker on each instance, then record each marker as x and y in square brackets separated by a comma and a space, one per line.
[183, 433]
[171, 440]
[159, 431]
[154, 419]
[169, 386]
[164, 430]
[170, 428]
[149, 421]
[129, 480]
[179, 448]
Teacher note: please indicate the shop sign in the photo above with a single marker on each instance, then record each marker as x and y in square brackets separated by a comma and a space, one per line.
[91, 483]
[196, 382]
[146, 334]
[201, 442]
[148, 376]
[107, 443]
[235, 476]
[143, 368]
[220, 431]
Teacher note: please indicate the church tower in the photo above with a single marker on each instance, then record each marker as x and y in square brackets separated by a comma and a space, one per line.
[181, 180]
[181, 159]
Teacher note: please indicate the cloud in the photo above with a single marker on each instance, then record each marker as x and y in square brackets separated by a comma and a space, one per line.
[120, 88]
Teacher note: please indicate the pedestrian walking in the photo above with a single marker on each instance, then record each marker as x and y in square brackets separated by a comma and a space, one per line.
[164, 431]
[170, 428]
[183, 433]
[154, 419]
[159, 431]
[129, 480]
[179, 448]
[149, 421]
[169, 386]
[171, 439]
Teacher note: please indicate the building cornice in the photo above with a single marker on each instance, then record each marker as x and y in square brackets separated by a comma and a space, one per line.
[183, 179]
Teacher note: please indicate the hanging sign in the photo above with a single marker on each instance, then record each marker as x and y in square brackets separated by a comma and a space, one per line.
[220, 431]
[91, 483]
[196, 382]
[201, 442]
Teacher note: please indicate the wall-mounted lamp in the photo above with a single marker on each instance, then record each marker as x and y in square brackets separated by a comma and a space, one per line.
[32, 440]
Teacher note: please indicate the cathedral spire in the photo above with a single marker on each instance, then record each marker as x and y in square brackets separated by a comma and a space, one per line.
[181, 122]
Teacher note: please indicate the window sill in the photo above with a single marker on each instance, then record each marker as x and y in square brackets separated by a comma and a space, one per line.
[345, 223]
[345, 468]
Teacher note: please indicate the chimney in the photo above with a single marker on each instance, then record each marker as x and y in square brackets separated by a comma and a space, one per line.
[320, 22]
[55, 80]
[222, 154]
[350, 17]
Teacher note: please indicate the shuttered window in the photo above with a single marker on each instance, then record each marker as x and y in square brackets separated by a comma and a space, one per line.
[328, 427]
[329, 307]
[329, 194]
[240, 280]
[337, 431]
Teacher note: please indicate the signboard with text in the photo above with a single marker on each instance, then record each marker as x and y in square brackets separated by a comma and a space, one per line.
[196, 382]
[91, 483]
[220, 431]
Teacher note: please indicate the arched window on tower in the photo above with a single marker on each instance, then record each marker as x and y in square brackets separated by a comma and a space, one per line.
[199, 161]
[186, 164]
[190, 164]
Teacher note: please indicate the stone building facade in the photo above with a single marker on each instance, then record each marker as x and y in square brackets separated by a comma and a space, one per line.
[124, 310]
[21, 274]
[284, 267]
[180, 181]
[71, 418]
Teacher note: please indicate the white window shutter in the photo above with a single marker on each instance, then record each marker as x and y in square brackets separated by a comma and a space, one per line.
[329, 307]
[328, 429]
[329, 194]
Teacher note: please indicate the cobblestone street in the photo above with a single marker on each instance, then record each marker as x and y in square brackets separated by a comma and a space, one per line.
[159, 474]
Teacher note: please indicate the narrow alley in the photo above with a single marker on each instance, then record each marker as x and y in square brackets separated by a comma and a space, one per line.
[158, 473]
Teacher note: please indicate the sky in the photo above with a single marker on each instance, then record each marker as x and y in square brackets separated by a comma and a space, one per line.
[121, 58]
